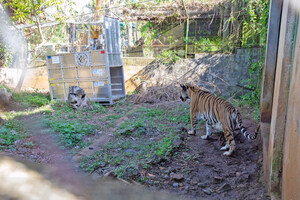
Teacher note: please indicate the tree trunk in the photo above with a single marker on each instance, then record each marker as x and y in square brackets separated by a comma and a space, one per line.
[25, 60]
[226, 21]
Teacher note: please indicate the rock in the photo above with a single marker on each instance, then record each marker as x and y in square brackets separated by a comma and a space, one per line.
[110, 174]
[195, 181]
[166, 177]
[238, 174]
[218, 179]
[156, 159]
[2, 121]
[18, 143]
[96, 132]
[150, 182]
[13, 132]
[177, 177]
[5, 96]
[130, 151]
[201, 185]
[223, 188]
[182, 129]
[207, 191]
[177, 142]
[175, 184]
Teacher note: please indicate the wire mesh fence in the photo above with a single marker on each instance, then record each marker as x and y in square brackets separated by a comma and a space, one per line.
[151, 39]
[209, 34]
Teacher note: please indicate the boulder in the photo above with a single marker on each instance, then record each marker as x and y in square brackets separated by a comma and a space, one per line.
[5, 96]
[2, 121]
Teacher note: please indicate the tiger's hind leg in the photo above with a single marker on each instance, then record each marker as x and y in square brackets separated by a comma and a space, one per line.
[208, 131]
[225, 147]
[229, 142]
[194, 122]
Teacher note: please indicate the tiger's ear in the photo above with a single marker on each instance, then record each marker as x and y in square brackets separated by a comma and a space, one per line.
[183, 87]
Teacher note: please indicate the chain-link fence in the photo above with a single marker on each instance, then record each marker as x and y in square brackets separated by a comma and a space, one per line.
[150, 39]
[210, 34]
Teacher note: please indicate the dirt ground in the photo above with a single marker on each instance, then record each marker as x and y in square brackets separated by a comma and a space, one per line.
[195, 170]
[209, 174]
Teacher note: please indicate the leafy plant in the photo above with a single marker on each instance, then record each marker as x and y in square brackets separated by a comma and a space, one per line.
[6, 56]
[10, 132]
[168, 57]
[255, 28]
[32, 99]
[164, 146]
[71, 133]
[207, 44]
[7, 88]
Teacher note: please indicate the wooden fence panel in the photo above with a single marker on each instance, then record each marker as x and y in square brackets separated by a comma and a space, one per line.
[291, 157]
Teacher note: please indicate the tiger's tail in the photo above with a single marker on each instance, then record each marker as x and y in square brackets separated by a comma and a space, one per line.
[243, 129]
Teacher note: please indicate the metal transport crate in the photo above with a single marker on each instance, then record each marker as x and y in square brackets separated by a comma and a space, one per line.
[98, 72]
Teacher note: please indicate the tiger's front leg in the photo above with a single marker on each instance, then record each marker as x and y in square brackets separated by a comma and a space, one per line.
[194, 122]
[208, 131]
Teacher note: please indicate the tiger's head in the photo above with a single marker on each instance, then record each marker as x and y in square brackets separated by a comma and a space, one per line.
[187, 90]
[184, 92]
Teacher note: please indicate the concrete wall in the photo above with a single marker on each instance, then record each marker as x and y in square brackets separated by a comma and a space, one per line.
[36, 77]
[223, 73]
[219, 73]
[133, 65]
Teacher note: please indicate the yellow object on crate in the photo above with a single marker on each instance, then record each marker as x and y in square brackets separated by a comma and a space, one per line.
[94, 32]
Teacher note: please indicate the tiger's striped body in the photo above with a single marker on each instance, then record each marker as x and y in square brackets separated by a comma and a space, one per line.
[217, 113]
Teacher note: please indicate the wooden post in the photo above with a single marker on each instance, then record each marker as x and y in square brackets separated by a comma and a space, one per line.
[270, 61]
[269, 78]
[280, 98]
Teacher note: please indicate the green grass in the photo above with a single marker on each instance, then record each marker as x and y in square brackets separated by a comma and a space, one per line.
[111, 120]
[7, 88]
[14, 129]
[249, 100]
[124, 156]
[138, 142]
[32, 99]
[10, 132]
[168, 57]
[72, 126]
[71, 133]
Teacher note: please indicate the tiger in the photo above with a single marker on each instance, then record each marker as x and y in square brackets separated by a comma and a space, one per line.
[216, 112]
